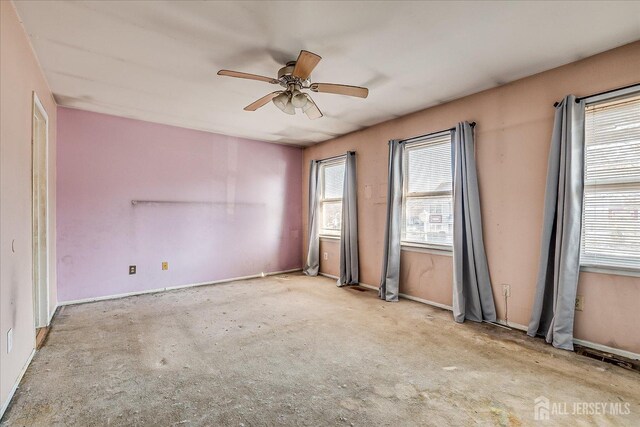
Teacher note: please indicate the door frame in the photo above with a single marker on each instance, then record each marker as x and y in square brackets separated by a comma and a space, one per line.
[41, 296]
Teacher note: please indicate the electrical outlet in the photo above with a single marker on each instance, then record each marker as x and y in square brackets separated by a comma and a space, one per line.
[579, 302]
[165, 265]
[9, 340]
[132, 269]
[506, 290]
[325, 255]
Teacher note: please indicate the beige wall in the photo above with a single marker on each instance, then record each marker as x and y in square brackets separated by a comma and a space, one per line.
[20, 75]
[513, 131]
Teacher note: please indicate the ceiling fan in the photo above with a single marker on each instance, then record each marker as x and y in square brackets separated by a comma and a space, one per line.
[294, 77]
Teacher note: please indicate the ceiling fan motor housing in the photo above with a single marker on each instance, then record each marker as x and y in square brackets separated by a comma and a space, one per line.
[287, 69]
[286, 78]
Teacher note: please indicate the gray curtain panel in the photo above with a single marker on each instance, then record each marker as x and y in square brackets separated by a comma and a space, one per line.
[390, 277]
[349, 227]
[312, 264]
[554, 306]
[472, 292]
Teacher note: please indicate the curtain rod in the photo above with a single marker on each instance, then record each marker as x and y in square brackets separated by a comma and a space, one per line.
[555, 104]
[472, 124]
[335, 157]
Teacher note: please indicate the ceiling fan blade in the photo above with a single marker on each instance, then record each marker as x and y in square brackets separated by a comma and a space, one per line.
[360, 92]
[240, 75]
[313, 112]
[305, 64]
[262, 101]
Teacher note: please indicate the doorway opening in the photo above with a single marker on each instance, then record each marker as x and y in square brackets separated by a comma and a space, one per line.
[40, 150]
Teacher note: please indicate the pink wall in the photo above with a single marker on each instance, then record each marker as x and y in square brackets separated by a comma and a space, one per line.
[21, 77]
[512, 144]
[249, 221]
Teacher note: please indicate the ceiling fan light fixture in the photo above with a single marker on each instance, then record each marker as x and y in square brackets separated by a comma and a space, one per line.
[281, 100]
[289, 109]
[299, 99]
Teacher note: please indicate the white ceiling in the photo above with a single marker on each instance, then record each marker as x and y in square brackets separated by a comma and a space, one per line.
[157, 61]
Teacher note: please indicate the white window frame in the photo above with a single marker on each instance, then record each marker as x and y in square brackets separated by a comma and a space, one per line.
[327, 233]
[409, 244]
[592, 266]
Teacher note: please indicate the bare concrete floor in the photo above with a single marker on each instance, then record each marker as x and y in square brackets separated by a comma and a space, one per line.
[293, 350]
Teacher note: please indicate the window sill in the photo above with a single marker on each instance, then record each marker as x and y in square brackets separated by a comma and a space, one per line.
[415, 247]
[329, 237]
[609, 270]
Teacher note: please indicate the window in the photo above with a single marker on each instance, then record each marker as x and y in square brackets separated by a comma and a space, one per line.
[331, 186]
[427, 201]
[611, 214]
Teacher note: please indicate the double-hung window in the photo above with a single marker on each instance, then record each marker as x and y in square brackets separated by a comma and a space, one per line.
[611, 212]
[330, 198]
[427, 202]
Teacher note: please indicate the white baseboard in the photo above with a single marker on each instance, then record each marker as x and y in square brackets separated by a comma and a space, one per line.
[330, 276]
[607, 349]
[512, 325]
[5, 405]
[171, 288]
[583, 343]
[53, 312]
[426, 301]
[405, 296]
[373, 288]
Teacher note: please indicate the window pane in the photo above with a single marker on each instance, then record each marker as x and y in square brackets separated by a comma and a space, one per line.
[612, 141]
[429, 220]
[333, 180]
[611, 233]
[611, 216]
[331, 217]
[429, 167]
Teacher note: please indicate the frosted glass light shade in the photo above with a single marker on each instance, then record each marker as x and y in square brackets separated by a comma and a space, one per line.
[299, 99]
[283, 102]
